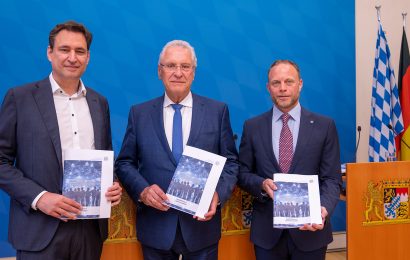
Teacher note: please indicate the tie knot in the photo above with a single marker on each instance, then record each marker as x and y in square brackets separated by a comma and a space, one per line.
[176, 106]
[285, 118]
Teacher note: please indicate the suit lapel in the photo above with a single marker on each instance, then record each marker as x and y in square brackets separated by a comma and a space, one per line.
[266, 136]
[157, 116]
[93, 106]
[305, 131]
[198, 117]
[43, 96]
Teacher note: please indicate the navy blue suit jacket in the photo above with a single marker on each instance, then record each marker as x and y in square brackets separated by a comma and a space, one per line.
[146, 159]
[317, 152]
[30, 158]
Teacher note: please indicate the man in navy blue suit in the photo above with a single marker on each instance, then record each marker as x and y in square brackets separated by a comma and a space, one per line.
[146, 163]
[38, 121]
[307, 144]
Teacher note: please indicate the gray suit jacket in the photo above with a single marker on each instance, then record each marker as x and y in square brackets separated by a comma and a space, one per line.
[30, 158]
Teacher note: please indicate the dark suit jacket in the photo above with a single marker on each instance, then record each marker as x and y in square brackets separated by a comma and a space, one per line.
[146, 159]
[30, 158]
[317, 152]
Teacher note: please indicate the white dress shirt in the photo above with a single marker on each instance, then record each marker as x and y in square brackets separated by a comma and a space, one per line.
[74, 120]
[186, 113]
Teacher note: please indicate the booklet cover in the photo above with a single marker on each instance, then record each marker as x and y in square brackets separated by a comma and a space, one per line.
[87, 176]
[194, 182]
[296, 201]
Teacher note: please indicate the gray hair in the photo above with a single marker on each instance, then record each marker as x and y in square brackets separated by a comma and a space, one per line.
[182, 44]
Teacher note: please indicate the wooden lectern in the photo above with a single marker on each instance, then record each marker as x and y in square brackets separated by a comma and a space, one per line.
[378, 215]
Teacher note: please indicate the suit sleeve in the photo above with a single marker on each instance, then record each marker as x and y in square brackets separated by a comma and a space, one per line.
[127, 163]
[229, 174]
[248, 179]
[108, 125]
[330, 179]
[12, 180]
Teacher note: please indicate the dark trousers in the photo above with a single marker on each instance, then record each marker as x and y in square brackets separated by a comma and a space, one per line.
[179, 248]
[286, 249]
[74, 240]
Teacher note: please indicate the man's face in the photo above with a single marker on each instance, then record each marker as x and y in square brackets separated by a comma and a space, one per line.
[284, 86]
[69, 57]
[177, 72]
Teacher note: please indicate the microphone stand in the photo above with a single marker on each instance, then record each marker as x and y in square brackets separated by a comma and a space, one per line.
[343, 188]
[359, 130]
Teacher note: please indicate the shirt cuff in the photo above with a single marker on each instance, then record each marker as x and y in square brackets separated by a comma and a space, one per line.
[34, 203]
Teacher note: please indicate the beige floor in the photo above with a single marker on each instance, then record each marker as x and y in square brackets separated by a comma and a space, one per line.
[329, 256]
[336, 255]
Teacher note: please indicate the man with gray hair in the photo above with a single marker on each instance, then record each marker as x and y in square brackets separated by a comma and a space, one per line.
[157, 132]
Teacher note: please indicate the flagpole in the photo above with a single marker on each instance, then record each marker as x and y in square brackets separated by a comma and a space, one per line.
[378, 7]
[386, 119]
[404, 19]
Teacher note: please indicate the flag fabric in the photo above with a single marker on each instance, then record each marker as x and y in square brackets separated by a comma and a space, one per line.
[404, 91]
[385, 118]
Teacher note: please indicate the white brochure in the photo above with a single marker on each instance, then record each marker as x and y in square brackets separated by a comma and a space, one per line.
[194, 182]
[87, 176]
[296, 201]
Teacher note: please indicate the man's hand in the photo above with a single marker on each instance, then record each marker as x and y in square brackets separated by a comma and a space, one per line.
[315, 227]
[114, 193]
[269, 186]
[153, 196]
[212, 209]
[58, 206]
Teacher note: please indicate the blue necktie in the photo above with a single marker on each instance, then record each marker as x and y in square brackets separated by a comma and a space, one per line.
[177, 144]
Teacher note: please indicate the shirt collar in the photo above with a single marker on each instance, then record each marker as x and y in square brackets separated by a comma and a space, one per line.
[55, 87]
[186, 102]
[294, 113]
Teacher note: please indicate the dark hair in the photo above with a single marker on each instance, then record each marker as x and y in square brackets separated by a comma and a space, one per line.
[71, 26]
[277, 62]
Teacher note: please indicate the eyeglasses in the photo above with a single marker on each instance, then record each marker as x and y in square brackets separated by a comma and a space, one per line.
[173, 67]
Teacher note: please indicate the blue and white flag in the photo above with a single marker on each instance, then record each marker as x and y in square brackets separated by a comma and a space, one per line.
[385, 120]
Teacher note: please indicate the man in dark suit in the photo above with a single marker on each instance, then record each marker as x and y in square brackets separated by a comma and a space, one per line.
[150, 154]
[306, 144]
[38, 121]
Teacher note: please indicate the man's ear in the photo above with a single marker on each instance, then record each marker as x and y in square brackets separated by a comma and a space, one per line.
[159, 72]
[49, 51]
[88, 57]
